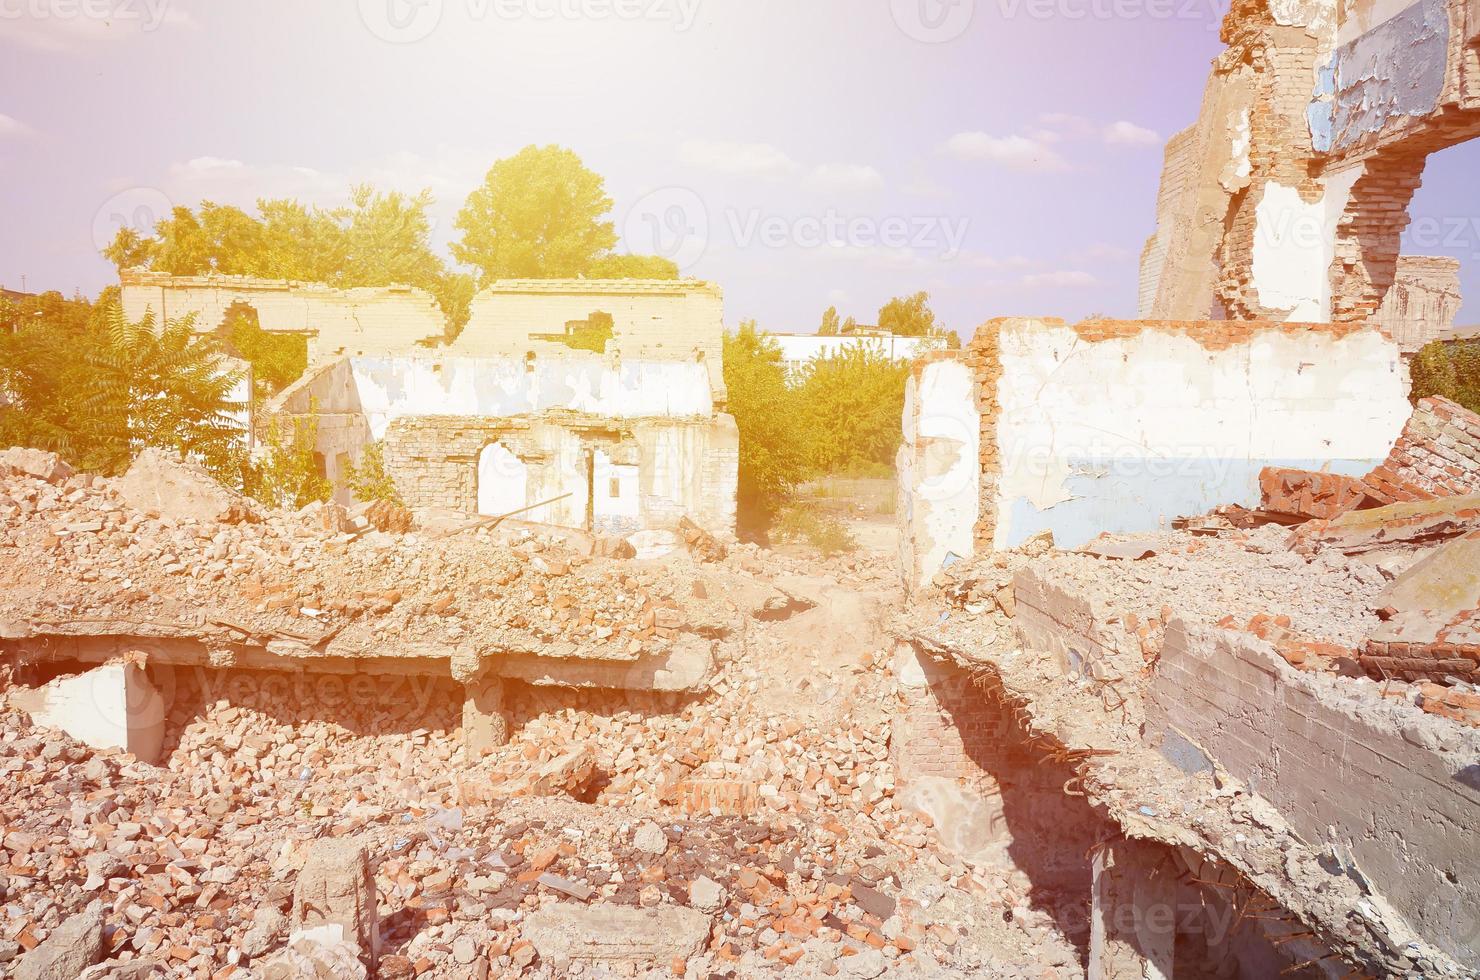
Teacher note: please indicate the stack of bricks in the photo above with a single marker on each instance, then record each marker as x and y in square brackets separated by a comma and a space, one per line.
[1438, 455]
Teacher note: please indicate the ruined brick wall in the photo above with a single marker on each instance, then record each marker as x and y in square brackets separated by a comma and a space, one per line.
[365, 320]
[1124, 426]
[1314, 130]
[1438, 455]
[684, 467]
[651, 319]
[1423, 301]
[959, 756]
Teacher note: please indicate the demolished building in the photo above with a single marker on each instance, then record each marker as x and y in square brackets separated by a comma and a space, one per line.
[624, 434]
[1288, 198]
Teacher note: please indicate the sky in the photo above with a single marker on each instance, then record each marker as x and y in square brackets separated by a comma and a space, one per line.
[1003, 155]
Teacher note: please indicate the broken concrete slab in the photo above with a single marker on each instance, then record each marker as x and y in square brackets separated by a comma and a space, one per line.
[35, 463]
[72, 947]
[160, 482]
[109, 707]
[1431, 613]
[612, 933]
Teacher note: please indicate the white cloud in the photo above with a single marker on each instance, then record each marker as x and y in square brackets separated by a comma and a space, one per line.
[1062, 278]
[1013, 152]
[1101, 252]
[1124, 133]
[846, 177]
[746, 159]
[12, 128]
[76, 27]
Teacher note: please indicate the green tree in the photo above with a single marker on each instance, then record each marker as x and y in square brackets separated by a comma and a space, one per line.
[277, 359]
[85, 382]
[538, 213]
[830, 323]
[851, 403]
[624, 266]
[288, 472]
[908, 316]
[773, 447]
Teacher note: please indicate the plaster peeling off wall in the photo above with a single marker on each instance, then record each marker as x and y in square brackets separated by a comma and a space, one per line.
[939, 468]
[1154, 421]
[1389, 66]
[383, 389]
[1294, 245]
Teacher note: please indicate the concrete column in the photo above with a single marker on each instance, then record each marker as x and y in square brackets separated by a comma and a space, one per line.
[1133, 924]
[484, 725]
[109, 707]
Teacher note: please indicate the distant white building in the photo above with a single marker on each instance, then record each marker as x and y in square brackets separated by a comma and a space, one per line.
[798, 349]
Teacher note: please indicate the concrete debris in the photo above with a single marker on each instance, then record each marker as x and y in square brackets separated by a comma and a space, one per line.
[336, 889]
[72, 947]
[163, 484]
[323, 951]
[35, 463]
[563, 933]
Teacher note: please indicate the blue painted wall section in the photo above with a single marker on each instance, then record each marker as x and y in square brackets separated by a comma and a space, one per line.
[1129, 496]
[1393, 72]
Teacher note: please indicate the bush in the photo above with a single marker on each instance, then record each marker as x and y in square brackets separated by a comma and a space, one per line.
[1451, 370]
[370, 481]
[822, 531]
[852, 404]
[288, 473]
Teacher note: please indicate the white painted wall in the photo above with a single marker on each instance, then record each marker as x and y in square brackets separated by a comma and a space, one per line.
[939, 468]
[1294, 245]
[109, 707]
[387, 388]
[1127, 434]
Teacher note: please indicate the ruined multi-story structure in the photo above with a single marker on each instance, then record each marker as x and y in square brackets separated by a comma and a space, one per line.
[1287, 199]
[618, 434]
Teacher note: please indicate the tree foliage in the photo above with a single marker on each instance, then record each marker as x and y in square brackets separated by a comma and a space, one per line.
[370, 480]
[773, 447]
[908, 316]
[1448, 369]
[851, 403]
[277, 359]
[539, 213]
[378, 239]
[288, 472]
[830, 323]
[623, 266]
[85, 382]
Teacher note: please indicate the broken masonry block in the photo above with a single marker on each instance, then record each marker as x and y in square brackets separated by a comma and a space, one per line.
[336, 887]
[485, 726]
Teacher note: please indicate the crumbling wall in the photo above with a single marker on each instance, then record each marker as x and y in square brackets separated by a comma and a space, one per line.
[1123, 426]
[1393, 794]
[960, 758]
[1423, 302]
[651, 319]
[684, 467]
[1437, 455]
[1295, 182]
[938, 466]
[664, 449]
[364, 320]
